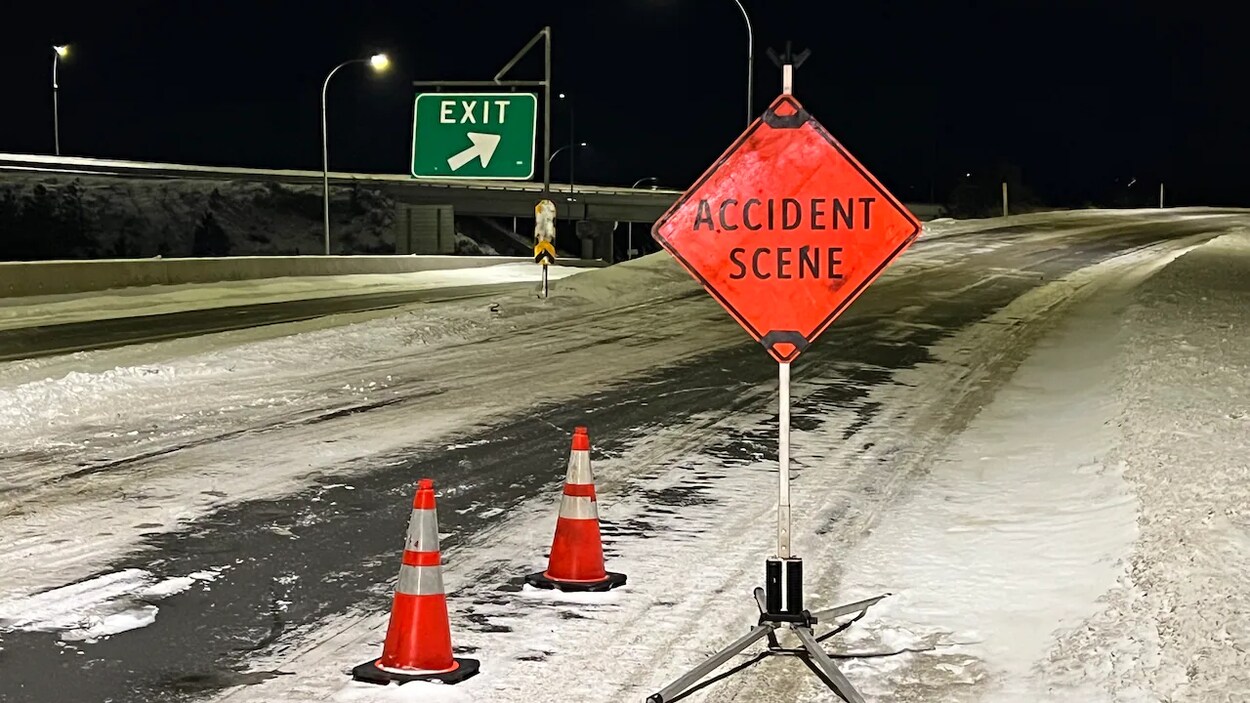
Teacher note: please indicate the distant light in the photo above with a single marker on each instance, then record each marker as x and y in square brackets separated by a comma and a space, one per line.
[62, 50]
[379, 62]
[561, 96]
[583, 144]
[967, 175]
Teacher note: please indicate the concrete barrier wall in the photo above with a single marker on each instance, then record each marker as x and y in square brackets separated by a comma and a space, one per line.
[19, 279]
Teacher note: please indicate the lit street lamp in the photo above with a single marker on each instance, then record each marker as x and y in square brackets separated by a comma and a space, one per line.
[566, 146]
[629, 244]
[58, 53]
[379, 63]
[750, 63]
[572, 158]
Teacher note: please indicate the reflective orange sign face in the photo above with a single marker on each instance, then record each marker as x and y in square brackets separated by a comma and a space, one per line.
[786, 229]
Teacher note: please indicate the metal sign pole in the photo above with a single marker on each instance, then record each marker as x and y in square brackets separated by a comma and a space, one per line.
[783, 413]
[783, 460]
[547, 114]
[544, 280]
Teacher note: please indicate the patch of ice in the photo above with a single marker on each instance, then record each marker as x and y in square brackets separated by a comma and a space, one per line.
[98, 607]
[168, 587]
[94, 628]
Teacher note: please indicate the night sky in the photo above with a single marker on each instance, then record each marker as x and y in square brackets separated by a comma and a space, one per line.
[1081, 99]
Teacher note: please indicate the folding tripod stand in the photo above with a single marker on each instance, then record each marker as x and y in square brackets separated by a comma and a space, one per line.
[802, 626]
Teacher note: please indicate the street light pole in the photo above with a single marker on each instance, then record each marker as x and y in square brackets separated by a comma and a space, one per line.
[379, 62]
[629, 244]
[566, 146]
[57, 53]
[572, 141]
[750, 63]
[557, 151]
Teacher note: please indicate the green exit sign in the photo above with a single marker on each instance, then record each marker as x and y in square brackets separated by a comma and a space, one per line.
[474, 135]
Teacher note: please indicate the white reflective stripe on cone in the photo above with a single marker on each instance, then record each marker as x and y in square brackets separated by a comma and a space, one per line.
[423, 531]
[415, 672]
[578, 508]
[420, 580]
[579, 469]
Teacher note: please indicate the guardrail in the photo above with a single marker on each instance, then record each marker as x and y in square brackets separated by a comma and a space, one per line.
[23, 278]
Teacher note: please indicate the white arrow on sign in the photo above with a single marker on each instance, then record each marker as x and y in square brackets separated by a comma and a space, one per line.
[483, 149]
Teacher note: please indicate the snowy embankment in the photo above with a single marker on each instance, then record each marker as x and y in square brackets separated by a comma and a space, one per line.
[1088, 538]
[1175, 626]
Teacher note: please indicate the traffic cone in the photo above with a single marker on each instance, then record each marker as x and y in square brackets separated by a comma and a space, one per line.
[576, 562]
[418, 639]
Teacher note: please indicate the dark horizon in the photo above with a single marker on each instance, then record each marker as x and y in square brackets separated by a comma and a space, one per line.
[1077, 101]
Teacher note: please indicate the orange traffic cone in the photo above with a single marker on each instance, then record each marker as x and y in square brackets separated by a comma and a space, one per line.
[576, 562]
[418, 640]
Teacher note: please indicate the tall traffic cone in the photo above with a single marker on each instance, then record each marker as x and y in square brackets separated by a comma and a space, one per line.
[576, 562]
[418, 640]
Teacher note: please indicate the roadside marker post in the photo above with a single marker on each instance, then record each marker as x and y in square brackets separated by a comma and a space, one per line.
[544, 237]
[785, 230]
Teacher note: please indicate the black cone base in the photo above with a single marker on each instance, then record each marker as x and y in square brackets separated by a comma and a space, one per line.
[370, 673]
[607, 583]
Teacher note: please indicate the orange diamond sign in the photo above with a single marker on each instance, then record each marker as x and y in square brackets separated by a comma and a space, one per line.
[786, 229]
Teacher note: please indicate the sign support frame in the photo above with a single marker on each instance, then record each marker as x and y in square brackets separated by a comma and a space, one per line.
[544, 35]
[780, 601]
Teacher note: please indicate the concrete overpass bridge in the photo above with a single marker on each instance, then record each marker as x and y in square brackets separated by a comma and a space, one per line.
[486, 198]
[428, 206]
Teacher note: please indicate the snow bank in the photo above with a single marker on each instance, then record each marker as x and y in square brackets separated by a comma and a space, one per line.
[1086, 538]
[1014, 534]
[1175, 628]
[637, 281]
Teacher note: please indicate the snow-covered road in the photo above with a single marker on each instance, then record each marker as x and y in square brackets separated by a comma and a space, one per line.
[975, 436]
[39, 326]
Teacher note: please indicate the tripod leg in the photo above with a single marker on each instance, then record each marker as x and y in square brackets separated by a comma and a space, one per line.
[856, 607]
[841, 685]
[689, 679]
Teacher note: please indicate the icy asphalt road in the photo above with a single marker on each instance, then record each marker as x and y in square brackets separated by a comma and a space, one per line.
[259, 540]
[36, 341]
